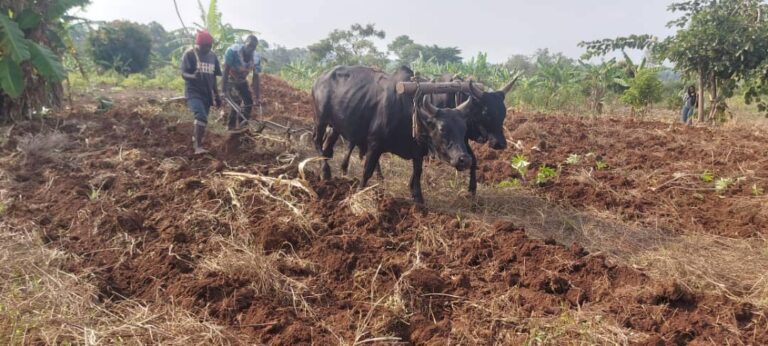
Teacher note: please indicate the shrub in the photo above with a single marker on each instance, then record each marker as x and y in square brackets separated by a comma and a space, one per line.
[135, 81]
[121, 46]
[644, 90]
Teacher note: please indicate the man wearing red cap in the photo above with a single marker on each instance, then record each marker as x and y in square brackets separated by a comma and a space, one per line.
[199, 68]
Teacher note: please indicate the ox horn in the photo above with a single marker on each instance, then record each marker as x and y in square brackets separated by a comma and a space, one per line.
[475, 91]
[428, 107]
[507, 88]
[464, 107]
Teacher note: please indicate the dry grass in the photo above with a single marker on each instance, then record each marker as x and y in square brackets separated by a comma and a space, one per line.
[387, 305]
[287, 193]
[41, 303]
[707, 263]
[363, 202]
[237, 260]
[733, 267]
[41, 145]
[503, 320]
[284, 190]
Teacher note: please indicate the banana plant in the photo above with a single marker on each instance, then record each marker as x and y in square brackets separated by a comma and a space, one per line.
[300, 74]
[630, 70]
[554, 79]
[26, 36]
[224, 34]
[597, 81]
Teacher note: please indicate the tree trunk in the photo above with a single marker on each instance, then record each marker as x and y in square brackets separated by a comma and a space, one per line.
[713, 103]
[700, 97]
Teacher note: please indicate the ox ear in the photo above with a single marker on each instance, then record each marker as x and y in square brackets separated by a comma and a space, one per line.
[475, 91]
[507, 88]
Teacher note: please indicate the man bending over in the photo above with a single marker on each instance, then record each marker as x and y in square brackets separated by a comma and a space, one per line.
[240, 60]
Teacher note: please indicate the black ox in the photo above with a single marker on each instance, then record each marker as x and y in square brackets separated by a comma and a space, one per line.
[361, 105]
[485, 121]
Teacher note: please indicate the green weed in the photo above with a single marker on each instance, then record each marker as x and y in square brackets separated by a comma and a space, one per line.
[573, 159]
[520, 163]
[722, 184]
[510, 184]
[94, 194]
[545, 174]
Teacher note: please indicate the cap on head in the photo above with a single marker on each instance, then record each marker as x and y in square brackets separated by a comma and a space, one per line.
[203, 38]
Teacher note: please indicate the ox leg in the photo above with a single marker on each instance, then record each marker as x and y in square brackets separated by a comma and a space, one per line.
[472, 170]
[327, 152]
[378, 170]
[345, 161]
[371, 162]
[418, 163]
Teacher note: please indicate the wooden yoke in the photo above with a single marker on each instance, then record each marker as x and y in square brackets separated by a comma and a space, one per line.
[435, 88]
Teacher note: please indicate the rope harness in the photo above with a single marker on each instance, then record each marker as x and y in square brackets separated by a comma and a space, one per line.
[415, 116]
[417, 130]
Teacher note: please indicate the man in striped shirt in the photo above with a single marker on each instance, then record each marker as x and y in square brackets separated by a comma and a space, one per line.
[240, 60]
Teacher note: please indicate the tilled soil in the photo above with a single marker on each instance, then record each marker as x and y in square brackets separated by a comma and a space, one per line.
[273, 265]
[655, 172]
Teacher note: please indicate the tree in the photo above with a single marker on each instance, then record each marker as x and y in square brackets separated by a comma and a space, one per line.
[279, 57]
[407, 51]
[402, 46]
[644, 89]
[554, 84]
[441, 55]
[554, 75]
[121, 46]
[31, 41]
[721, 42]
[166, 43]
[350, 47]
[224, 34]
[597, 81]
[544, 56]
[522, 63]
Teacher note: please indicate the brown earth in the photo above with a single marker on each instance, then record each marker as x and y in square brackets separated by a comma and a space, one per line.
[152, 223]
[654, 170]
[280, 99]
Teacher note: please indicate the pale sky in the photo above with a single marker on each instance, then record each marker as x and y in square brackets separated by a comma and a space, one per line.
[500, 28]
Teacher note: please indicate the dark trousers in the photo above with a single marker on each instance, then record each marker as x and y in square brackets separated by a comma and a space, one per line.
[200, 109]
[240, 94]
